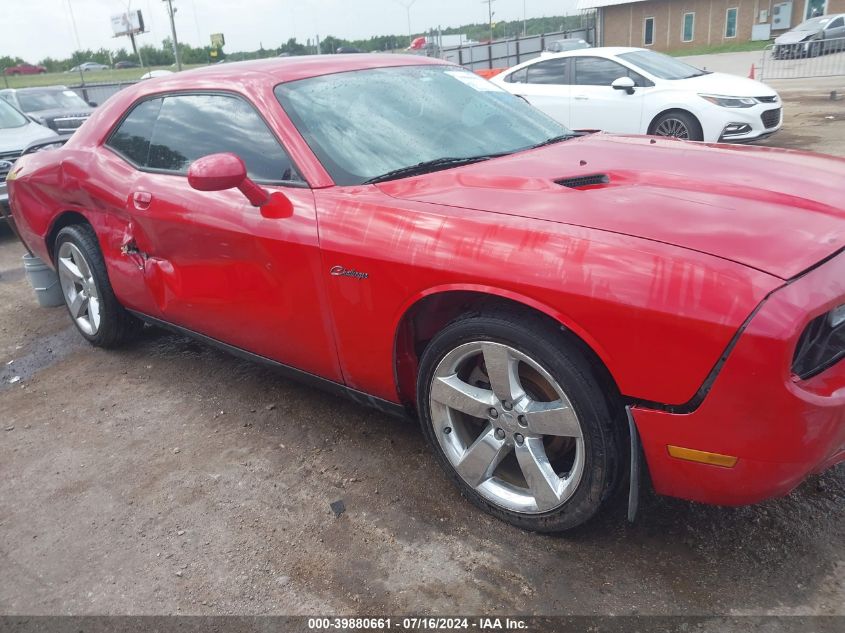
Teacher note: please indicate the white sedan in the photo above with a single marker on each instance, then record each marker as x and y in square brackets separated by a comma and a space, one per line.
[638, 91]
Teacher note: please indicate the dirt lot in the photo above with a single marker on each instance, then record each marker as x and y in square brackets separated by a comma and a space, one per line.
[171, 478]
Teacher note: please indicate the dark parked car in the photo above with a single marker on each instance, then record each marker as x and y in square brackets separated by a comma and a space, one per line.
[16, 133]
[25, 69]
[127, 64]
[816, 36]
[56, 107]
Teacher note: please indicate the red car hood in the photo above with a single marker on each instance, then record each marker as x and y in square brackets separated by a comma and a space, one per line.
[778, 211]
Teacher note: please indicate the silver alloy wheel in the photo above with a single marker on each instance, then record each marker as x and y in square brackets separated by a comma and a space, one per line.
[79, 288]
[672, 127]
[491, 403]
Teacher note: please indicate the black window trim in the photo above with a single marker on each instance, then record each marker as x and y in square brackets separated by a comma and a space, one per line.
[297, 184]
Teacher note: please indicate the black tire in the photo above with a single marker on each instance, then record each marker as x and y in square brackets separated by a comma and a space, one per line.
[116, 325]
[693, 127]
[598, 412]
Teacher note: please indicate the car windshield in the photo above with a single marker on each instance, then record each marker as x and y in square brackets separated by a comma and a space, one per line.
[50, 100]
[661, 66]
[368, 123]
[9, 117]
[812, 24]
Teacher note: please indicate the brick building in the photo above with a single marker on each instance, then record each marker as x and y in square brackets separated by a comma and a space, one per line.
[677, 24]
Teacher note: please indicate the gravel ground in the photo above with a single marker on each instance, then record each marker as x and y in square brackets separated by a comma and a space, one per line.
[170, 478]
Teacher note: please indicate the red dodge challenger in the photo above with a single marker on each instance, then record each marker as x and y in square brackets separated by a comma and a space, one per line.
[559, 311]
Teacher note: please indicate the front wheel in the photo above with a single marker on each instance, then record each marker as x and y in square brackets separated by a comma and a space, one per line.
[680, 125]
[518, 421]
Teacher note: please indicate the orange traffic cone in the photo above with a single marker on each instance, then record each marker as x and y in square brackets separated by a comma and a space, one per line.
[751, 72]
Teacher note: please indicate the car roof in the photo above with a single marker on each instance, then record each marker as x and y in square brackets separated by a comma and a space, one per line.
[601, 51]
[282, 69]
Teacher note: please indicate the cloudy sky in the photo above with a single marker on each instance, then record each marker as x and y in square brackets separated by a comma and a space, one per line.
[34, 29]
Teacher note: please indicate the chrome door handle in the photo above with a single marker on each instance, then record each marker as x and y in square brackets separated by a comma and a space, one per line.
[582, 98]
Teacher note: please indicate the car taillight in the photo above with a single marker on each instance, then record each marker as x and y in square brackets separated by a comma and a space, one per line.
[822, 344]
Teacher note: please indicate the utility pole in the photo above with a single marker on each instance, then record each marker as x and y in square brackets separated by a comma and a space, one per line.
[76, 35]
[171, 11]
[524, 20]
[490, 14]
[408, 4]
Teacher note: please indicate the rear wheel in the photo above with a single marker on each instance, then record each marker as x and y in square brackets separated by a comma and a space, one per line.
[87, 291]
[680, 125]
[518, 421]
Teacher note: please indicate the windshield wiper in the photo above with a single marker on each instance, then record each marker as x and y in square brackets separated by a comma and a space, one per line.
[553, 140]
[431, 165]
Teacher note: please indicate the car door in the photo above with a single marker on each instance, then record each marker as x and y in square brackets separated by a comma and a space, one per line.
[595, 105]
[544, 85]
[215, 264]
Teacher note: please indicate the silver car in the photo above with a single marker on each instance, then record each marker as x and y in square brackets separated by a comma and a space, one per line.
[816, 36]
[17, 132]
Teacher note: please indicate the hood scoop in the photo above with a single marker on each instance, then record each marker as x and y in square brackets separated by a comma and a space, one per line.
[580, 182]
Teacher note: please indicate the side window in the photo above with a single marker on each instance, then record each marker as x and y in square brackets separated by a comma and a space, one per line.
[688, 32]
[192, 126]
[838, 23]
[648, 32]
[517, 77]
[730, 22]
[132, 137]
[552, 71]
[597, 71]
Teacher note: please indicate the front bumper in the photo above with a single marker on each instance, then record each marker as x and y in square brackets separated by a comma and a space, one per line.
[794, 50]
[780, 428]
[753, 123]
[760, 120]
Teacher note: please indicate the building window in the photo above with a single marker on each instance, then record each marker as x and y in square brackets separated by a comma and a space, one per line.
[648, 32]
[730, 23]
[689, 27]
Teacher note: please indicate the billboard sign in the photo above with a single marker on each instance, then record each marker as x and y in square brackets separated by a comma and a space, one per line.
[217, 40]
[126, 23]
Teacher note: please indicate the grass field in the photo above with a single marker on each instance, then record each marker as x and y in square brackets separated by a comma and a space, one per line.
[738, 47]
[73, 79]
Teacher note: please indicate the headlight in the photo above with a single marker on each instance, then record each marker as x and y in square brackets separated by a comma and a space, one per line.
[730, 102]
